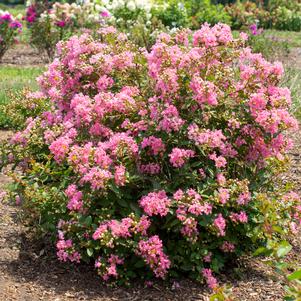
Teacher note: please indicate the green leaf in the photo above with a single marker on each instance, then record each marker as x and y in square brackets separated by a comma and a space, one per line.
[90, 252]
[135, 208]
[139, 264]
[295, 276]
[278, 229]
[122, 203]
[261, 251]
[186, 267]
[283, 249]
[88, 221]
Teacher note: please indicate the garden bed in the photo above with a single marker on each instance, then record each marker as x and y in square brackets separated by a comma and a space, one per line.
[23, 54]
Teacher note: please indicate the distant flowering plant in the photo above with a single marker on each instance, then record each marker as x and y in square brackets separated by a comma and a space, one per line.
[166, 159]
[255, 30]
[50, 23]
[10, 28]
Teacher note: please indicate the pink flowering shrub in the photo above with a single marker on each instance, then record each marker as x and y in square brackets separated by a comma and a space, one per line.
[161, 162]
[23, 105]
[49, 23]
[10, 28]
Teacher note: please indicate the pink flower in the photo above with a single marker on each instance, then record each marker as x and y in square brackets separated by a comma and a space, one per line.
[119, 175]
[66, 250]
[221, 180]
[220, 161]
[178, 195]
[171, 120]
[105, 14]
[60, 147]
[150, 168]
[108, 268]
[155, 203]
[151, 251]
[120, 229]
[189, 228]
[223, 195]
[155, 144]
[60, 23]
[100, 231]
[244, 198]
[179, 156]
[240, 217]
[204, 91]
[210, 279]
[75, 198]
[212, 139]
[220, 224]
[228, 247]
[243, 36]
[143, 225]
[97, 178]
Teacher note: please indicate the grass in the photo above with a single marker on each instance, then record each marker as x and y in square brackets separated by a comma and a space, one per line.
[15, 10]
[292, 80]
[291, 37]
[14, 79]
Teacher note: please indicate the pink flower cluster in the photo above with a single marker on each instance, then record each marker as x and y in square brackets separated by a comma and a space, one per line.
[9, 30]
[108, 268]
[155, 203]
[189, 207]
[210, 279]
[179, 156]
[122, 229]
[220, 224]
[151, 251]
[155, 144]
[75, 198]
[66, 250]
[31, 14]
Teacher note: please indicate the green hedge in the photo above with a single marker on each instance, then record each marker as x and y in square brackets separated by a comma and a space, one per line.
[12, 2]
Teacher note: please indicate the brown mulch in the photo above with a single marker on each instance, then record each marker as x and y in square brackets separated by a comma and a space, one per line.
[24, 55]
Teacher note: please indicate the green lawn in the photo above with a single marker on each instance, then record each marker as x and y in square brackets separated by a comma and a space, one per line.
[292, 80]
[14, 79]
[291, 37]
[14, 9]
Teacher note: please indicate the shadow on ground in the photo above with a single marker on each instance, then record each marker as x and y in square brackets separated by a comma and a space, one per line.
[36, 264]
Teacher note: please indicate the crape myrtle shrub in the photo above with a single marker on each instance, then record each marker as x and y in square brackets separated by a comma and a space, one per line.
[23, 105]
[50, 23]
[10, 28]
[157, 163]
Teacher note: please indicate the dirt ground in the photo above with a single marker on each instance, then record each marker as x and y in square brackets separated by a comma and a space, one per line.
[24, 55]
[29, 270]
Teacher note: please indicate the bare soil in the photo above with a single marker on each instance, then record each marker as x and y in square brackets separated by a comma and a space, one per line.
[24, 55]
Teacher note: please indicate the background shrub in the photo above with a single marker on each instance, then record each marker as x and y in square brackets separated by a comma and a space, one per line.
[207, 12]
[49, 26]
[22, 106]
[10, 28]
